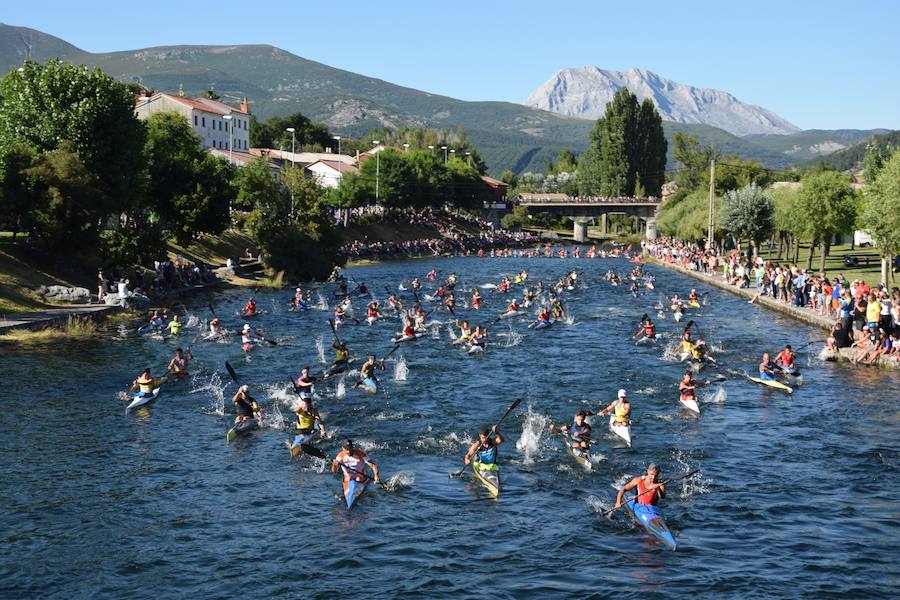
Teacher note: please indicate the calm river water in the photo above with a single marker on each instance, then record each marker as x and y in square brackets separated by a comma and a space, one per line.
[796, 496]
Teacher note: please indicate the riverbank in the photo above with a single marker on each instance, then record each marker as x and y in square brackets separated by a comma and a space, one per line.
[801, 314]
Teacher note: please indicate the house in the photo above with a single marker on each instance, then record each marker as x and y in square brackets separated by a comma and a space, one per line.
[218, 125]
[303, 159]
[329, 172]
[494, 194]
[241, 158]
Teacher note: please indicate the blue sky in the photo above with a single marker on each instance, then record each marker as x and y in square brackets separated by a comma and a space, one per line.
[819, 64]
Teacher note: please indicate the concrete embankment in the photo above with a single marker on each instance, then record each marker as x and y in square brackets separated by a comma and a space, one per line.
[801, 314]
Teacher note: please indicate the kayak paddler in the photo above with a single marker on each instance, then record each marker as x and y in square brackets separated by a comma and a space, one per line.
[579, 432]
[179, 363]
[145, 383]
[250, 308]
[767, 368]
[174, 326]
[687, 387]
[482, 453]
[648, 490]
[248, 339]
[620, 407]
[476, 299]
[341, 359]
[465, 332]
[367, 370]
[353, 462]
[305, 425]
[785, 359]
[245, 404]
[305, 383]
[215, 326]
[647, 328]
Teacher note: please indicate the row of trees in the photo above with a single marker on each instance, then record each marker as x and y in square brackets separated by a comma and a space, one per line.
[81, 176]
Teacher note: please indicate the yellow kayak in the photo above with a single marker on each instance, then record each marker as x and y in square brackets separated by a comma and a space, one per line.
[772, 383]
[488, 477]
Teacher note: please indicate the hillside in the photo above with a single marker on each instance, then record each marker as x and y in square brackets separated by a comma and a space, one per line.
[812, 143]
[585, 91]
[851, 158]
[510, 136]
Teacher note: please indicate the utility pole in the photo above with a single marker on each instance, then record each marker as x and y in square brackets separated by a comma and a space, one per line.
[711, 216]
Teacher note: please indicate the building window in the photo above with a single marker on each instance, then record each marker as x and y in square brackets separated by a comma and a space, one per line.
[204, 121]
[226, 145]
[226, 126]
[195, 120]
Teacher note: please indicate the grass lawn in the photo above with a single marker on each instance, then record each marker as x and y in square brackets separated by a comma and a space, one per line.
[868, 269]
[214, 251]
[17, 279]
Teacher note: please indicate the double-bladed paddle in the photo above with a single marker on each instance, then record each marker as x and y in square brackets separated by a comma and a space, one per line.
[512, 406]
[667, 482]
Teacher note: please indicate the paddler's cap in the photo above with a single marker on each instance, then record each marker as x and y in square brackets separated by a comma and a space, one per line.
[245, 388]
[246, 326]
[622, 393]
[348, 444]
[298, 290]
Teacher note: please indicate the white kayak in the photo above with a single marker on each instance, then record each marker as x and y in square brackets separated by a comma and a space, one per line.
[406, 338]
[623, 431]
[690, 404]
[509, 313]
[142, 399]
[475, 349]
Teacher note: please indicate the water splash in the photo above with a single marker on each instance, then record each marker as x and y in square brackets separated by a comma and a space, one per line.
[599, 505]
[597, 457]
[449, 444]
[320, 350]
[216, 390]
[401, 481]
[321, 303]
[513, 338]
[569, 319]
[673, 353]
[717, 396]
[192, 321]
[452, 332]
[435, 331]
[400, 369]
[341, 390]
[532, 432]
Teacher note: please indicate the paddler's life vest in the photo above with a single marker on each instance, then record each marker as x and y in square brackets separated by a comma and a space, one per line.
[650, 498]
[373, 312]
[687, 393]
[305, 422]
[583, 431]
[352, 463]
[175, 327]
[367, 371]
[341, 355]
[487, 456]
[621, 411]
[146, 387]
[785, 359]
[687, 346]
[650, 330]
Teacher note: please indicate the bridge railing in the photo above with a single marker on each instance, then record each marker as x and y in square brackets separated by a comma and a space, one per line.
[587, 200]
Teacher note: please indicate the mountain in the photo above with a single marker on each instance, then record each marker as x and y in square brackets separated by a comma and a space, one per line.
[585, 91]
[851, 158]
[812, 143]
[509, 136]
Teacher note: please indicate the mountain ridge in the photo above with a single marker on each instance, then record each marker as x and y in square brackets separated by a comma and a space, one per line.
[584, 92]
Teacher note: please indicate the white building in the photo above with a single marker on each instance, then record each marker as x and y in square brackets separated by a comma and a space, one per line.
[206, 117]
[329, 172]
[304, 159]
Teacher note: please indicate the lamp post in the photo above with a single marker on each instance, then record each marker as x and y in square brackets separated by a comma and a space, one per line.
[469, 158]
[293, 142]
[453, 152]
[406, 147]
[230, 136]
[377, 167]
[444, 148]
[338, 138]
[430, 147]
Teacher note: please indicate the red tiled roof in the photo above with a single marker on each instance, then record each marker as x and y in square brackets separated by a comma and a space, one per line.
[494, 183]
[338, 166]
[216, 104]
[211, 106]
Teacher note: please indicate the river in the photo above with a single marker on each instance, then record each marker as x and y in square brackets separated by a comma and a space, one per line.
[797, 496]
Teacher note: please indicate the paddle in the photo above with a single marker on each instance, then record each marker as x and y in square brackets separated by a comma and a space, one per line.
[667, 482]
[313, 451]
[334, 331]
[512, 406]
[231, 371]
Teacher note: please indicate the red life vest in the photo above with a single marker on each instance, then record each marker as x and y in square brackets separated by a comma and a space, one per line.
[649, 497]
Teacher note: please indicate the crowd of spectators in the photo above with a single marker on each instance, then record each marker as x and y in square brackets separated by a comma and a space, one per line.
[584, 199]
[166, 276]
[865, 317]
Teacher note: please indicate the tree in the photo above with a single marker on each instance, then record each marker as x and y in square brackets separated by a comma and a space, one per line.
[510, 179]
[873, 160]
[626, 140]
[258, 188]
[694, 159]
[16, 199]
[565, 163]
[828, 206]
[189, 189]
[881, 214]
[747, 213]
[687, 219]
[273, 134]
[788, 227]
[43, 104]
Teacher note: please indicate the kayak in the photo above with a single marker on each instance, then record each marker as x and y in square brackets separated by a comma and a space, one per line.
[772, 383]
[299, 440]
[406, 338]
[690, 404]
[371, 320]
[475, 349]
[623, 431]
[149, 328]
[791, 371]
[488, 477]
[242, 427]
[142, 400]
[370, 385]
[580, 456]
[337, 367]
[509, 313]
[353, 489]
[541, 325]
[650, 518]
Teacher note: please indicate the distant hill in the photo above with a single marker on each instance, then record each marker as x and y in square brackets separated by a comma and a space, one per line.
[509, 136]
[850, 159]
[812, 143]
[585, 91]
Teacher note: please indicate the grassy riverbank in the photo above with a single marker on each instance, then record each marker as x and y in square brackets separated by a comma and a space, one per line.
[868, 267]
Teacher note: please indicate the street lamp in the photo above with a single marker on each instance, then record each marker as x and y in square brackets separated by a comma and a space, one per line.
[453, 152]
[293, 142]
[469, 158]
[444, 148]
[377, 168]
[430, 147]
[406, 147]
[338, 138]
[230, 136]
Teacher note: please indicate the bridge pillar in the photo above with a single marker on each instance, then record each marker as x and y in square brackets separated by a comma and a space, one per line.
[604, 224]
[580, 229]
[651, 231]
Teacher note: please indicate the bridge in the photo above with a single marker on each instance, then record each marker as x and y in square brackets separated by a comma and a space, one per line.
[583, 210]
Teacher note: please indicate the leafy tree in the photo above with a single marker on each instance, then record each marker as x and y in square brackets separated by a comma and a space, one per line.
[510, 179]
[564, 163]
[273, 134]
[747, 213]
[881, 215]
[625, 141]
[65, 213]
[516, 219]
[687, 219]
[258, 188]
[787, 222]
[829, 207]
[874, 159]
[421, 139]
[43, 104]
[432, 181]
[468, 189]
[390, 177]
[353, 190]
[190, 189]
[16, 199]
[694, 159]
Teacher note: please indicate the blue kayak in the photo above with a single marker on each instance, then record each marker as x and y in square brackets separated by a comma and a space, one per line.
[650, 518]
[370, 385]
[352, 490]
